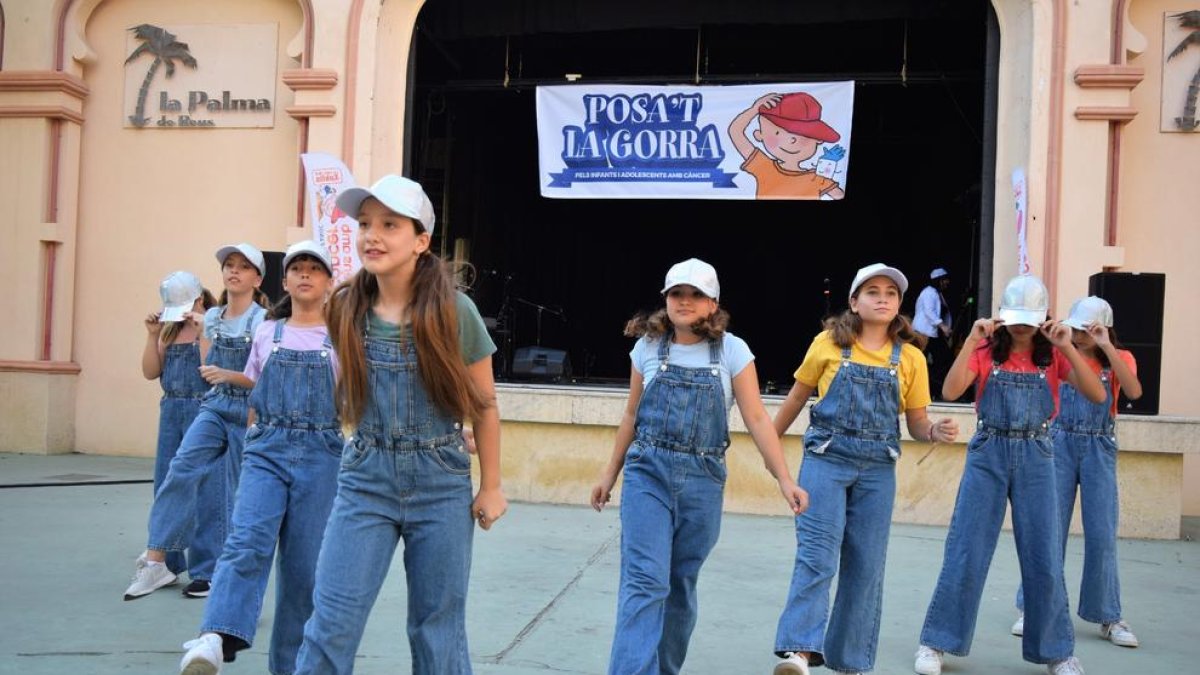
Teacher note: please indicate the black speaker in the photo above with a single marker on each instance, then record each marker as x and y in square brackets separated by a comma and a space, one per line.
[272, 283]
[541, 363]
[1137, 302]
[1149, 369]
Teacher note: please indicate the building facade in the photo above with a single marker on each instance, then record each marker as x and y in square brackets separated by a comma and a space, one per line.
[97, 207]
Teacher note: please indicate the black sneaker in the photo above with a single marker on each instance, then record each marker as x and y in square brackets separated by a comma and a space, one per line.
[197, 589]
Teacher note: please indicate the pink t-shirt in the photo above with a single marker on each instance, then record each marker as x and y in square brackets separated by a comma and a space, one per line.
[309, 338]
[1018, 362]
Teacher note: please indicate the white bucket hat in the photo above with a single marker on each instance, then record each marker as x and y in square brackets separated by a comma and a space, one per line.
[878, 270]
[1090, 310]
[938, 273]
[308, 247]
[694, 272]
[1025, 301]
[179, 292]
[252, 254]
[400, 194]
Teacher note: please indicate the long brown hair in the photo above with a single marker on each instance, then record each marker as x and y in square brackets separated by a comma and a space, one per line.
[1001, 344]
[169, 331]
[658, 324]
[433, 313]
[259, 296]
[847, 326]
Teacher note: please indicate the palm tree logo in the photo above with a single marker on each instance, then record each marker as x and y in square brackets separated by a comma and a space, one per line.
[1188, 20]
[165, 49]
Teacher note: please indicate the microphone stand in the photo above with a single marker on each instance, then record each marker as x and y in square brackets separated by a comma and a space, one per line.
[556, 311]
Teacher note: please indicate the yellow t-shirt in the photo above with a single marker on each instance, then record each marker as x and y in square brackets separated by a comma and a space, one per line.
[824, 358]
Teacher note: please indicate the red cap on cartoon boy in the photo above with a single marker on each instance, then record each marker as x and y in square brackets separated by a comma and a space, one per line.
[800, 113]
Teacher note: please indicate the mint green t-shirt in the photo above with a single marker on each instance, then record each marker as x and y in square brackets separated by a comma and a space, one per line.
[473, 340]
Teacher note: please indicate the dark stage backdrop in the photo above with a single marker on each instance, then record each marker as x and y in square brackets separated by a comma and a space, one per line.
[913, 195]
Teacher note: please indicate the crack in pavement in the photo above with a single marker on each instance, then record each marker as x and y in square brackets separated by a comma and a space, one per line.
[541, 615]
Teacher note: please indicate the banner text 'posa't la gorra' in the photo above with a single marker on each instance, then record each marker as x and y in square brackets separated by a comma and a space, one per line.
[772, 141]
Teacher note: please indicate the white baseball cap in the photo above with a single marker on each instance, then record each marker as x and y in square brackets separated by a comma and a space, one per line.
[694, 272]
[252, 254]
[938, 273]
[1025, 301]
[310, 248]
[398, 193]
[1090, 310]
[179, 291]
[878, 270]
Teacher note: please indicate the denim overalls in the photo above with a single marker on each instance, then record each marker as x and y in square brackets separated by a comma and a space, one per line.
[670, 512]
[289, 478]
[1010, 458]
[1085, 455]
[405, 474]
[213, 443]
[849, 471]
[182, 390]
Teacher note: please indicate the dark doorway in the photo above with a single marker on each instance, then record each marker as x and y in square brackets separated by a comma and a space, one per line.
[915, 198]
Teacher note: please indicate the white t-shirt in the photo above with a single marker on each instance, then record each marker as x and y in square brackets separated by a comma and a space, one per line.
[929, 312]
[735, 356]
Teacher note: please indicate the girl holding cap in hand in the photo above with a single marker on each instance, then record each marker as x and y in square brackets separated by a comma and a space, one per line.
[173, 356]
[212, 445]
[866, 373]
[288, 479]
[1085, 456]
[1018, 362]
[416, 361]
[687, 372]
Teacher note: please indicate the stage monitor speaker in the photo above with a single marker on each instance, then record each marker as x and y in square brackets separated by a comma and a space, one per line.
[541, 363]
[1137, 302]
[272, 283]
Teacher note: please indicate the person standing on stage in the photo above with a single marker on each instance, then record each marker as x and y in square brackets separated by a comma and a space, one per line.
[931, 319]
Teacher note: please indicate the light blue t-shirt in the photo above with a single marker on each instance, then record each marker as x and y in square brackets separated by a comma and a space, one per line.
[235, 327]
[735, 356]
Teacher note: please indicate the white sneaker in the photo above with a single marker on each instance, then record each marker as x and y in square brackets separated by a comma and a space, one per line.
[792, 664]
[148, 576]
[204, 656]
[1018, 627]
[929, 661]
[1068, 666]
[1119, 634]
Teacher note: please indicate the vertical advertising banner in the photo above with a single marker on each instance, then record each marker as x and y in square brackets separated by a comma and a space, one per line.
[1021, 203]
[768, 141]
[326, 176]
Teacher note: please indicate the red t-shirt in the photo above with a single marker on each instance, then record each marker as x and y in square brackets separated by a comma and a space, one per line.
[1127, 358]
[1018, 362]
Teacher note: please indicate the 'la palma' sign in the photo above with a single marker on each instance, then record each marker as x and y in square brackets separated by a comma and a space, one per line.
[222, 76]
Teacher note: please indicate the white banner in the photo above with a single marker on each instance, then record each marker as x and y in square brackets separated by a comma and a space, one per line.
[763, 141]
[1021, 202]
[326, 176]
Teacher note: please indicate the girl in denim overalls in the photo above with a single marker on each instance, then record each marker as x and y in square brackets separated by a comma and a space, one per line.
[1085, 457]
[687, 371]
[289, 476]
[1010, 459]
[212, 445]
[866, 374]
[173, 356]
[416, 362]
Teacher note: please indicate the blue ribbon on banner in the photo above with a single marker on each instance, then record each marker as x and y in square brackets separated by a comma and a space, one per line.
[718, 178]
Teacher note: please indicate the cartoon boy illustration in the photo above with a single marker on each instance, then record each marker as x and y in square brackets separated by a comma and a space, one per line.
[791, 130]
